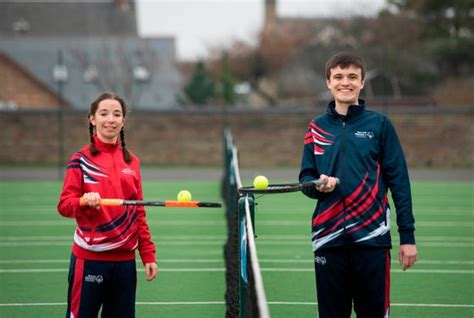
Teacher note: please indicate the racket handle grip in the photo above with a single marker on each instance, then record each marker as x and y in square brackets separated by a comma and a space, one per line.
[319, 181]
[103, 202]
[111, 202]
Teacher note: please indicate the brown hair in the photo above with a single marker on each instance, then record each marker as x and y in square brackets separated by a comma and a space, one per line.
[93, 109]
[345, 59]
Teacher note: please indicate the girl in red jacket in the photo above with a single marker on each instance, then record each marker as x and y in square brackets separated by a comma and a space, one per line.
[102, 271]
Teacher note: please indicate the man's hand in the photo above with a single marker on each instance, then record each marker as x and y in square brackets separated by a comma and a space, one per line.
[151, 270]
[407, 255]
[329, 185]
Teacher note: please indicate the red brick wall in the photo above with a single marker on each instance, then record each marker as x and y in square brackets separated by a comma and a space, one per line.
[433, 139]
[21, 88]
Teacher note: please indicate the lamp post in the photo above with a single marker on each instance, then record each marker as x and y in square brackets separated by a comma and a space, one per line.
[60, 77]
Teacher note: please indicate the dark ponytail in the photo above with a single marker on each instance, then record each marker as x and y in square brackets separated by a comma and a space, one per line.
[93, 149]
[126, 154]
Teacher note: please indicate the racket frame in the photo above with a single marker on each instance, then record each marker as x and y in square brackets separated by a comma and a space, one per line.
[166, 203]
[285, 187]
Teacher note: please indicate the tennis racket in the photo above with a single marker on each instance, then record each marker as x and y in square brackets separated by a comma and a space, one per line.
[287, 187]
[166, 203]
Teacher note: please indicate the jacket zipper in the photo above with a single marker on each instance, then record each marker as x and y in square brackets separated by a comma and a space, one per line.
[344, 171]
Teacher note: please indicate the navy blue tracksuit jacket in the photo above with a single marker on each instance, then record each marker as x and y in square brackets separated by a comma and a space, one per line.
[364, 152]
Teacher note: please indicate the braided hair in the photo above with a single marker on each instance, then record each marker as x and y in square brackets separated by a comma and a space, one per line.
[93, 109]
[126, 154]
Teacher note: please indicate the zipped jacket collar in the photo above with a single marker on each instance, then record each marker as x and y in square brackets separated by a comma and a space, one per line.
[102, 146]
[352, 112]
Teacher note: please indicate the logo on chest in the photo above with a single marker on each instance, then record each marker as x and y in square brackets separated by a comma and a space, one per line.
[128, 171]
[364, 134]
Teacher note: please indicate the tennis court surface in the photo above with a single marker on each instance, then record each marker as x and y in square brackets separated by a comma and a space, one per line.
[35, 244]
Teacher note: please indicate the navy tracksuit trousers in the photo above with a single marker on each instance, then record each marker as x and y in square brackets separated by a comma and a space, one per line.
[353, 275]
[109, 285]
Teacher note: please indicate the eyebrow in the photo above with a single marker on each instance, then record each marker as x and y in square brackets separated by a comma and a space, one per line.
[350, 74]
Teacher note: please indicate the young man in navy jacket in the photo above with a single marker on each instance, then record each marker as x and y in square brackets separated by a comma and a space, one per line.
[351, 222]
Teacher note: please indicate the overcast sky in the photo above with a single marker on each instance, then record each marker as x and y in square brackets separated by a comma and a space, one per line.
[200, 24]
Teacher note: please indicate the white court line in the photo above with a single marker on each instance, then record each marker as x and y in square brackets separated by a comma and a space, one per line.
[69, 223]
[219, 239]
[222, 269]
[418, 224]
[161, 243]
[59, 270]
[69, 243]
[137, 303]
[419, 238]
[305, 238]
[411, 271]
[420, 262]
[193, 303]
[44, 243]
[60, 261]
[165, 238]
[220, 260]
[222, 223]
[392, 304]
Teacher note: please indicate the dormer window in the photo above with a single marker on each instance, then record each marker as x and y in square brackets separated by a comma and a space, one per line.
[91, 74]
[21, 26]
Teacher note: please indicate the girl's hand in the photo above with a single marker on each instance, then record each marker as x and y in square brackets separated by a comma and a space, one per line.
[91, 199]
[151, 270]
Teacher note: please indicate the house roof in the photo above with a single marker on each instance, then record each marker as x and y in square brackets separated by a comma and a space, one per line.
[67, 18]
[101, 64]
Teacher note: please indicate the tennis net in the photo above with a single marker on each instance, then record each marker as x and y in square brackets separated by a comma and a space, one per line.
[245, 294]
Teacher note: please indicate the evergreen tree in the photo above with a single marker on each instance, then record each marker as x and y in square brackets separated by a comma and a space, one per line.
[200, 88]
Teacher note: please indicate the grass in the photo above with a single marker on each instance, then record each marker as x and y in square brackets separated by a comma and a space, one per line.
[35, 245]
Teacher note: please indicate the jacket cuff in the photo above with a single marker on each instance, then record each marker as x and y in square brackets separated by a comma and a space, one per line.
[407, 237]
[150, 258]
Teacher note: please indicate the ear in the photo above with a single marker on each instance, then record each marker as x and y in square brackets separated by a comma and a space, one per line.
[328, 83]
[362, 84]
[92, 119]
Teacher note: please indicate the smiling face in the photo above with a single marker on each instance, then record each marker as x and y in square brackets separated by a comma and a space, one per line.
[108, 120]
[345, 85]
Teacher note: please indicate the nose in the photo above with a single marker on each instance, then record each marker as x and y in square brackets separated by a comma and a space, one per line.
[345, 81]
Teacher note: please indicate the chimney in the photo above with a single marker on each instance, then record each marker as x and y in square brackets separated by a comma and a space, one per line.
[122, 5]
[270, 14]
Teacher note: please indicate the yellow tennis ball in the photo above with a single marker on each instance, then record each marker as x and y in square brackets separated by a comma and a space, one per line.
[184, 196]
[260, 182]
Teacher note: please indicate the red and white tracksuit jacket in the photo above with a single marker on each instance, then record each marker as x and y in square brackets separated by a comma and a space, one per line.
[110, 233]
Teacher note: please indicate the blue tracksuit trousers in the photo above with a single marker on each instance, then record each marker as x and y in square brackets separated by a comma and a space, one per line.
[106, 285]
[353, 275]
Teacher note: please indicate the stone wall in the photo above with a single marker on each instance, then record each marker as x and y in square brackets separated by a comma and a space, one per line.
[265, 139]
